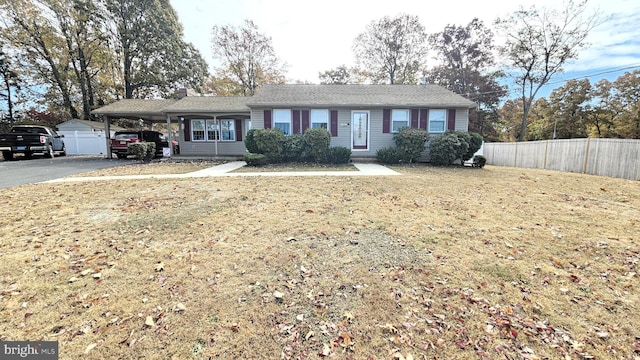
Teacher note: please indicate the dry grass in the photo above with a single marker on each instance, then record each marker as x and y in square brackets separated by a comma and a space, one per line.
[438, 263]
[153, 168]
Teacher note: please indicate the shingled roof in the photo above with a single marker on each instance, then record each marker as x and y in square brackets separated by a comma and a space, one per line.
[134, 107]
[209, 104]
[358, 95]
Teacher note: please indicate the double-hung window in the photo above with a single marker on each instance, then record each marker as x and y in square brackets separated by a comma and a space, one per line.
[228, 130]
[197, 130]
[282, 120]
[399, 119]
[437, 120]
[210, 130]
[319, 118]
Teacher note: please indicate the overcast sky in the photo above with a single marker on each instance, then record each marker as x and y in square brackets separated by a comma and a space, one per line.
[314, 36]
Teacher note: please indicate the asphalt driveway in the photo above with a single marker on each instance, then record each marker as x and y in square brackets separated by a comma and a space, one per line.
[22, 171]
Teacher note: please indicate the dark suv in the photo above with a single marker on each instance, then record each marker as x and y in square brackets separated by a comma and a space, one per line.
[121, 140]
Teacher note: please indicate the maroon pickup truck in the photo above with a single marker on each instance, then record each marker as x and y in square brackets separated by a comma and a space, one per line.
[122, 139]
[30, 139]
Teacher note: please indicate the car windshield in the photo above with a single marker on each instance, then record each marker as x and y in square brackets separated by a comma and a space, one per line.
[125, 136]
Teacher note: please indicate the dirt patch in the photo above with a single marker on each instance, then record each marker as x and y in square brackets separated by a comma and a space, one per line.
[491, 263]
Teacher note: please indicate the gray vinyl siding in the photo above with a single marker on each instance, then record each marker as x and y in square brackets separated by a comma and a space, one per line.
[225, 148]
[462, 120]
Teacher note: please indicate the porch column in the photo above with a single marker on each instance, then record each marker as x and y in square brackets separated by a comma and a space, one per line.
[107, 135]
[169, 136]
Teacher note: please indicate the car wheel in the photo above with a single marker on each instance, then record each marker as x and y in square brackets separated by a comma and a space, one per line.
[49, 154]
[121, 156]
[28, 154]
[7, 155]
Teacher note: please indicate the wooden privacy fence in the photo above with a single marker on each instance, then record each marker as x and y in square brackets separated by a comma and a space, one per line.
[618, 158]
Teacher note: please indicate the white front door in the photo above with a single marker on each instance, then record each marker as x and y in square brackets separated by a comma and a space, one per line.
[360, 130]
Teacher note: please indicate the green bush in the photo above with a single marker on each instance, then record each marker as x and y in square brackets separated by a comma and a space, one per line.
[411, 142]
[390, 155]
[295, 149]
[464, 138]
[338, 155]
[479, 161]
[253, 159]
[270, 143]
[143, 151]
[475, 143]
[250, 141]
[318, 141]
[444, 149]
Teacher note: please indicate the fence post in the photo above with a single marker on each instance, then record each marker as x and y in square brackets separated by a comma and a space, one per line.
[515, 158]
[546, 150]
[586, 157]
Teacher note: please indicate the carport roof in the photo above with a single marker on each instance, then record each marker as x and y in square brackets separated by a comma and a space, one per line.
[136, 108]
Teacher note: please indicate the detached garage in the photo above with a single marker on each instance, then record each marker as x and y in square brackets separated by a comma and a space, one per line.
[84, 137]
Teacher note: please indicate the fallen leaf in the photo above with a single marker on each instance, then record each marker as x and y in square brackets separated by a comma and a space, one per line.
[86, 272]
[90, 347]
[278, 295]
[149, 321]
[309, 334]
[73, 279]
[326, 350]
[159, 267]
[300, 317]
[97, 275]
[180, 307]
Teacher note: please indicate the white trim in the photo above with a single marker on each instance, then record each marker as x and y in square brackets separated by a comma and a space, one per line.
[429, 121]
[368, 129]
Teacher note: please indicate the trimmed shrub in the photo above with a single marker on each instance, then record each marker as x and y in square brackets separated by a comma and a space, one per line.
[143, 151]
[253, 159]
[410, 143]
[269, 143]
[389, 155]
[250, 141]
[475, 143]
[318, 141]
[479, 161]
[295, 149]
[338, 155]
[464, 138]
[444, 149]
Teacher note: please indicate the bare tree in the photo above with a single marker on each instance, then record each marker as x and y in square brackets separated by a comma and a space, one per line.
[540, 42]
[393, 49]
[247, 57]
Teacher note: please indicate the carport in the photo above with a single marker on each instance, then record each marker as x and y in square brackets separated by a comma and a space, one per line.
[210, 108]
[151, 111]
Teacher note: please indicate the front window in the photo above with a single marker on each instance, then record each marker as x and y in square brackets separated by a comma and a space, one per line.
[197, 130]
[319, 119]
[399, 120]
[228, 129]
[282, 120]
[209, 130]
[437, 120]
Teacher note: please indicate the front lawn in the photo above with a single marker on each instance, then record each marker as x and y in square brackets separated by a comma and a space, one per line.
[438, 263]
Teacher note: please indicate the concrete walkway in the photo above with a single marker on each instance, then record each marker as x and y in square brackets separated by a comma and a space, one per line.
[227, 168]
